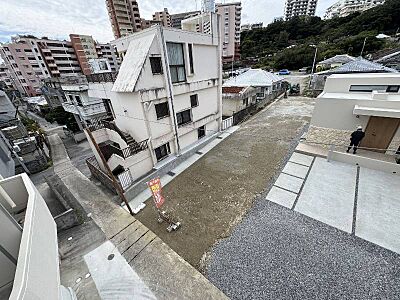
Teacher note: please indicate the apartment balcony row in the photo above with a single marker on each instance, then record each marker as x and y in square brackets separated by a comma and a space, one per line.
[29, 262]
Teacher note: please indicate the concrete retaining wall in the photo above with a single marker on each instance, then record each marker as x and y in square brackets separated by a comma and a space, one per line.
[365, 162]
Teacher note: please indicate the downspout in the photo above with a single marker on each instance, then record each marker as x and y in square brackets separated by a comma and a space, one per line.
[145, 108]
[170, 92]
[219, 49]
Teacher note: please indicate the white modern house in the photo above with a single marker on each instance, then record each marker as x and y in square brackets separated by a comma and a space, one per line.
[29, 259]
[166, 97]
[248, 88]
[351, 100]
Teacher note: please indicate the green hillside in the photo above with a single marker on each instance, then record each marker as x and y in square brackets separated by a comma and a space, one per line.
[335, 36]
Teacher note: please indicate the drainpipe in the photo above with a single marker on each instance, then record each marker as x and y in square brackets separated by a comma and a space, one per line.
[170, 92]
[219, 49]
[145, 108]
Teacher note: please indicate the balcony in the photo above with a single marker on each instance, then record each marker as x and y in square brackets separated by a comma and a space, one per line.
[29, 263]
[102, 77]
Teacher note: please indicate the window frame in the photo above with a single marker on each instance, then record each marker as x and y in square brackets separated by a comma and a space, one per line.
[201, 132]
[183, 123]
[196, 98]
[167, 149]
[175, 68]
[153, 65]
[163, 116]
[369, 88]
[190, 57]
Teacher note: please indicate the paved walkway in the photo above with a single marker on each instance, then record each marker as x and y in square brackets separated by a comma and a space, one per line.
[325, 230]
[138, 252]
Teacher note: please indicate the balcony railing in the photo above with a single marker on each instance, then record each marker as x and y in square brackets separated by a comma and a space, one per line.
[102, 77]
[134, 148]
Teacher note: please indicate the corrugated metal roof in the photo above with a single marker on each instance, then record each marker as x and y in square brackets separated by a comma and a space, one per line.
[338, 59]
[253, 77]
[361, 65]
[133, 62]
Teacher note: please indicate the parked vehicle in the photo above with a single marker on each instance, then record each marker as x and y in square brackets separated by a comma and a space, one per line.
[294, 89]
[306, 70]
[284, 72]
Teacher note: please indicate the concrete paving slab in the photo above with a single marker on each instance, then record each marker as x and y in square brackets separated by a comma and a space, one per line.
[296, 170]
[328, 194]
[114, 278]
[281, 197]
[289, 182]
[301, 159]
[378, 209]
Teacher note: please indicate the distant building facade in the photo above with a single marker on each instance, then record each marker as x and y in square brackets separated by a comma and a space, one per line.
[231, 20]
[163, 17]
[246, 27]
[30, 59]
[124, 16]
[297, 8]
[344, 8]
[176, 19]
[208, 6]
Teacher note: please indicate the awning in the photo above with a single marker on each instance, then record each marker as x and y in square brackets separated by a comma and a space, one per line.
[376, 112]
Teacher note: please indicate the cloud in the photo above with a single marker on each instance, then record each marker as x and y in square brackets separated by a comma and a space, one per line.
[59, 18]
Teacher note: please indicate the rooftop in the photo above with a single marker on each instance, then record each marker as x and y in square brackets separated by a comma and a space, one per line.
[360, 65]
[253, 77]
[344, 58]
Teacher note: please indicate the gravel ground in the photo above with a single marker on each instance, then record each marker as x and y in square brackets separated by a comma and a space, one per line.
[211, 197]
[276, 253]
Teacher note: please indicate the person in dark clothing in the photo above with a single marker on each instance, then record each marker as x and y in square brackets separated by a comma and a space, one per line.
[355, 139]
[397, 156]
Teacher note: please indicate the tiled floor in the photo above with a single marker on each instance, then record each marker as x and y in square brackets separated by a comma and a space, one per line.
[356, 200]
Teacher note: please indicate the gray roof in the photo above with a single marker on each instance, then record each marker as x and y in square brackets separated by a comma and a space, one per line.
[338, 59]
[360, 65]
[253, 77]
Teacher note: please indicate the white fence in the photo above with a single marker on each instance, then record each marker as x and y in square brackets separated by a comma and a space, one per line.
[125, 179]
[227, 123]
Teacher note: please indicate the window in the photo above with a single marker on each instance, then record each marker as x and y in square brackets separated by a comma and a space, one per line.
[194, 100]
[184, 117]
[78, 100]
[17, 50]
[176, 62]
[156, 66]
[201, 131]
[162, 151]
[191, 65]
[162, 110]
[393, 89]
[371, 88]
[246, 102]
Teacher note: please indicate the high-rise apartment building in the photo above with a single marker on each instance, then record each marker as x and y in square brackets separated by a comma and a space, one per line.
[344, 8]
[30, 59]
[231, 19]
[124, 16]
[294, 8]
[87, 50]
[163, 17]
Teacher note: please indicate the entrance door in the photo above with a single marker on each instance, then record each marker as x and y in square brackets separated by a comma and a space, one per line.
[379, 133]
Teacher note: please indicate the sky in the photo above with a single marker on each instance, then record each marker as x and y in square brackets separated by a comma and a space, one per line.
[58, 18]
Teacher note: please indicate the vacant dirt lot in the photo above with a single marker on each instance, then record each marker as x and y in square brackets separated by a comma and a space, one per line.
[214, 194]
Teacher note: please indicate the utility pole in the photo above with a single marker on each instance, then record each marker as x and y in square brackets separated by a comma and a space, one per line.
[314, 62]
[116, 185]
[362, 50]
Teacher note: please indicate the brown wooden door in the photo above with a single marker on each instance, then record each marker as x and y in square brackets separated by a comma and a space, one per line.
[380, 132]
